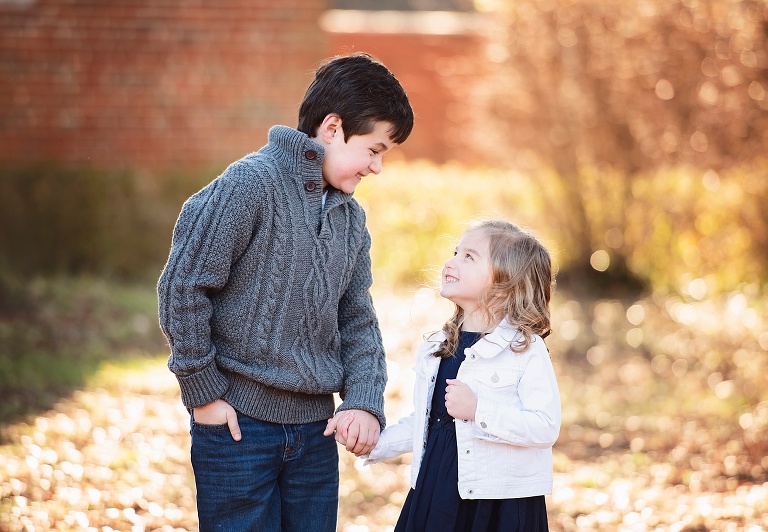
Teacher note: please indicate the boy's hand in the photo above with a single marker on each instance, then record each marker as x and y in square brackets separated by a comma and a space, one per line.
[460, 400]
[340, 425]
[218, 412]
[363, 433]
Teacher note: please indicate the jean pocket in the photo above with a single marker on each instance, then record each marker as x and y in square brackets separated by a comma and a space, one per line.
[205, 426]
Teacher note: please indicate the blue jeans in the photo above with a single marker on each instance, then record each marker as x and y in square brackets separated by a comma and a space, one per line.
[276, 478]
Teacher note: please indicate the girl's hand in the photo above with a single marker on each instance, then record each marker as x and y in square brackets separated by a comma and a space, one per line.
[339, 425]
[460, 400]
[363, 433]
[218, 412]
[357, 430]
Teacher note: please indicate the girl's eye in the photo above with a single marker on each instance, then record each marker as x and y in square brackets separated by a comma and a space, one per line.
[469, 256]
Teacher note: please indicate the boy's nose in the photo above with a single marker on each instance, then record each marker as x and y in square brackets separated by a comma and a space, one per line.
[375, 166]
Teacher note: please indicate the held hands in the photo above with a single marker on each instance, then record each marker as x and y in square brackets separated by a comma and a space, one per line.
[218, 412]
[357, 430]
[460, 400]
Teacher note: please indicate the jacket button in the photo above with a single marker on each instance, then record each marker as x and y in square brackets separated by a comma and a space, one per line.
[310, 154]
[310, 186]
[482, 424]
[467, 451]
[470, 491]
[433, 378]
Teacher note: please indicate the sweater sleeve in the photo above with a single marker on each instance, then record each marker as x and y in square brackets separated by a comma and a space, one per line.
[211, 232]
[362, 352]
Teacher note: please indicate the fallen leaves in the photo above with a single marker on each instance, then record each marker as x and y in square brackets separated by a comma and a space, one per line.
[643, 447]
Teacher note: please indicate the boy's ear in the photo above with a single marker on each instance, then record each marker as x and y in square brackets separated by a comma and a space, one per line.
[330, 128]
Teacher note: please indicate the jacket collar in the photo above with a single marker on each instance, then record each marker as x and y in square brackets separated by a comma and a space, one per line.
[490, 345]
[496, 341]
[432, 343]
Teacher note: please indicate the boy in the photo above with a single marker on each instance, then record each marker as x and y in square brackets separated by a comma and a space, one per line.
[266, 306]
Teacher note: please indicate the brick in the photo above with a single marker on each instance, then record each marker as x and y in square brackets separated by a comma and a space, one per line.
[151, 84]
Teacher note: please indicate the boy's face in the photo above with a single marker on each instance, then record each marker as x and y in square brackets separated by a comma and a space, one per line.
[346, 163]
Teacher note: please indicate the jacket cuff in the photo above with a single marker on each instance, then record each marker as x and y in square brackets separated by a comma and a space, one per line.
[365, 396]
[202, 387]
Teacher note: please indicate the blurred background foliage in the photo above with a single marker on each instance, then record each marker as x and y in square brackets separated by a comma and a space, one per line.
[679, 224]
[630, 135]
[650, 120]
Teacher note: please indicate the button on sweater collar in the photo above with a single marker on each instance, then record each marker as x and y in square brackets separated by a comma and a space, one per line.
[303, 158]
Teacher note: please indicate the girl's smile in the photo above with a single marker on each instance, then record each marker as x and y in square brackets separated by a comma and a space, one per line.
[467, 275]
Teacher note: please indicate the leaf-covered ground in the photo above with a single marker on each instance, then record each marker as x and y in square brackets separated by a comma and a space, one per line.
[665, 413]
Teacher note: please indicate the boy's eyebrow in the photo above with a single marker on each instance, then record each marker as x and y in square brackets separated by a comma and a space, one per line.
[381, 146]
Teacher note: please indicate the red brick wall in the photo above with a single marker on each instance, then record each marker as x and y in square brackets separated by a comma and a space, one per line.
[434, 72]
[152, 83]
[158, 84]
[438, 71]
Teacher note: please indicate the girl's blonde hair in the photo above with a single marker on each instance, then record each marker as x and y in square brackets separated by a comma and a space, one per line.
[521, 286]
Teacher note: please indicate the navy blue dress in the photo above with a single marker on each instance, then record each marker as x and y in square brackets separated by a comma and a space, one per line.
[435, 505]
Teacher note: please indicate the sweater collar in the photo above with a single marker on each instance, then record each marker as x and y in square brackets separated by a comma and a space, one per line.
[303, 157]
[294, 149]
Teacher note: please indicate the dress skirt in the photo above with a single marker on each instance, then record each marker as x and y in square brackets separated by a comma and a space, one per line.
[435, 505]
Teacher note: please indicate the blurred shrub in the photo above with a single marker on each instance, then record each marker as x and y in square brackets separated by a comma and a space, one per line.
[618, 101]
[677, 226]
[73, 219]
[685, 225]
[67, 220]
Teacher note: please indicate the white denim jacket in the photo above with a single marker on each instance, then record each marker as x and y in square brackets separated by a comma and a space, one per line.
[506, 452]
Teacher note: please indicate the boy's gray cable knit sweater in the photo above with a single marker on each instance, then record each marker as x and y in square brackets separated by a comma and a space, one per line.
[265, 297]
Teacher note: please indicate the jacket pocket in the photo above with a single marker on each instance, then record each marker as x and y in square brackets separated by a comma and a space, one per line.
[498, 378]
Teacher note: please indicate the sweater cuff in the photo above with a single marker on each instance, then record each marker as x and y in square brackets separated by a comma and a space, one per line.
[202, 387]
[365, 396]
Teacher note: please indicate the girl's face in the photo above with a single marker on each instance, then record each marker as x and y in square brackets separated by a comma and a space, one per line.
[347, 162]
[467, 274]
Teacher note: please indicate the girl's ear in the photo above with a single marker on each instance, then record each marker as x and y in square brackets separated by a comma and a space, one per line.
[330, 128]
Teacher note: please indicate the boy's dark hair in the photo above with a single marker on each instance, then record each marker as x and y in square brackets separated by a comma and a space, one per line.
[362, 91]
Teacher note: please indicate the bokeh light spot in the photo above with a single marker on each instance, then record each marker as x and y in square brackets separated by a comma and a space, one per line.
[600, 260]
[665, 90]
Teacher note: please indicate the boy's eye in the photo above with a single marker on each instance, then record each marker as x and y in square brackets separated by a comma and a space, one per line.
[374, 152]
[469, 256]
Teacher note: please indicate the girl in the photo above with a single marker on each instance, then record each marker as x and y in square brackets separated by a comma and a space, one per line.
[487, 405]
